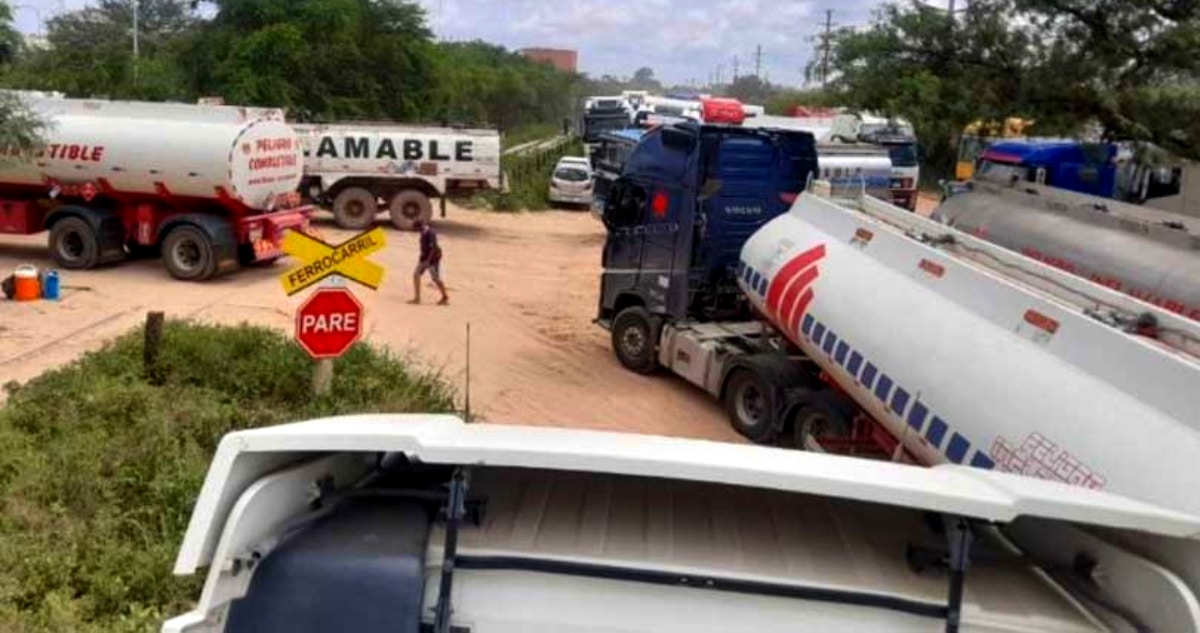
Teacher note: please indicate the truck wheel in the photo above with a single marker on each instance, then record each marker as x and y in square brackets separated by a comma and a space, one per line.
[820, 416]
[750, 404]
[74, 244]
[355, 208]
[407, 207]
[635, 339]
[188, 253]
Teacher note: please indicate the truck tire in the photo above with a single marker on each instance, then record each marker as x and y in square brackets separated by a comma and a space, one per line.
[355, 208]
[408, 206]
[820, 415]
[635, 339]
[188, 253]
[750, 403]
[74, 244]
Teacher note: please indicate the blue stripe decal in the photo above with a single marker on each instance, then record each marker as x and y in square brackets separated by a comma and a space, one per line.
[840, 355]
[883, 388]
[893, 395]
[818, 333]
[916, 417]
[936, 431]
[855, 364]
[899, 400]
[868, 376]
[981, 460]
[957, 449]
[831, 340]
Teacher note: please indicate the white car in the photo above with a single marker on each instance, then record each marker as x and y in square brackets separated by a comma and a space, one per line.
[571, 182]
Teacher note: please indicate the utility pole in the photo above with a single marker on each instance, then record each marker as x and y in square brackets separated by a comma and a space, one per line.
[720, 73]
[135, 42]
[758, 62]
[735, 68]
[827, 46]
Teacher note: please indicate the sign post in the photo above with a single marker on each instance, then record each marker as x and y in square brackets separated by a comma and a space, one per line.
[327, 324]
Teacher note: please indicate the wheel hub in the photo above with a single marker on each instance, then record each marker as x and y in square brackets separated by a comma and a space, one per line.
[187, 254]
[634, 341]
[750, 404]
[71, 246]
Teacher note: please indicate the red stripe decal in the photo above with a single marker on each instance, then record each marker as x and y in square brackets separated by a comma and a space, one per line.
[789, 272]
[787, 307]
[798, 312]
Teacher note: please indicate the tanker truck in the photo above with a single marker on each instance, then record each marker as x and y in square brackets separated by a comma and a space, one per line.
[422, 523]
[352, 167]
[1146, 253]
[850, 325]
[210, 187]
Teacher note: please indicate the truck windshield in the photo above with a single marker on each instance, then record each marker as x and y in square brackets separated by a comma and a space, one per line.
[903, 155]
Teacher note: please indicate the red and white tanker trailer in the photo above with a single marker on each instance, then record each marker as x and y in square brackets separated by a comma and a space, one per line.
[851, 325]
[211, 187]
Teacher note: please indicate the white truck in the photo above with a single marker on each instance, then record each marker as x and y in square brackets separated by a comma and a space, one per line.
[898, 136]
[360, 169]
[414, 523]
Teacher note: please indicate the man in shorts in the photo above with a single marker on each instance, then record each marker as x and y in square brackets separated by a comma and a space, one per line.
[431, 260]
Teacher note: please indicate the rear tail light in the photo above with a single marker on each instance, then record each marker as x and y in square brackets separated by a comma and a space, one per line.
[789, 197]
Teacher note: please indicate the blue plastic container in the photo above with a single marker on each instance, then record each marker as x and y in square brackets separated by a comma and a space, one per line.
[50, 285]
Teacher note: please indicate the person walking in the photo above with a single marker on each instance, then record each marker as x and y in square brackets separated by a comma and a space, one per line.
[431, 260]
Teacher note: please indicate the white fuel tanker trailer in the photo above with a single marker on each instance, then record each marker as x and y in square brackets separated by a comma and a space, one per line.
[1149, 254]
[851, 325]
[211, 187]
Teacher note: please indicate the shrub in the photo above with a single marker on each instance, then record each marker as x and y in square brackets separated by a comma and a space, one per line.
[99, 469]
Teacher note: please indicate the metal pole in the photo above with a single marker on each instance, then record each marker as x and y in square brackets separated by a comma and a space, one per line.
[135, 42]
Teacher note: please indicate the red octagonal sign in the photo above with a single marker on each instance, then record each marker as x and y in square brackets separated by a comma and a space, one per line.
[329, 322]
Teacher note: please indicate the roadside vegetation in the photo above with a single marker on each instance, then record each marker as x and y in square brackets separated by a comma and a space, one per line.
[527, 177]
[99, 468]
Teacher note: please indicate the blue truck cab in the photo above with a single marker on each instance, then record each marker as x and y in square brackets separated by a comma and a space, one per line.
[1089, 168]
[688, 198]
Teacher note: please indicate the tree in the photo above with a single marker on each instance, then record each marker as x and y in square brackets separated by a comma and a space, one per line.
[90, 51]
[643, 79]
[750, 89]
[20, 129]
[1129, 65]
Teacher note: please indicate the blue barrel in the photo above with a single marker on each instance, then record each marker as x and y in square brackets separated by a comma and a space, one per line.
[50, 284]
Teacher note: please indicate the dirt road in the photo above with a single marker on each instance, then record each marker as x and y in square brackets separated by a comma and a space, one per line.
[526, 283]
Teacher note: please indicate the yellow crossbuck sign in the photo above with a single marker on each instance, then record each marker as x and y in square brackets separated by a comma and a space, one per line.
[348, 259]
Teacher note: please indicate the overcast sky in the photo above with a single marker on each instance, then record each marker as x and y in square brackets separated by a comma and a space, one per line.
[682, 40]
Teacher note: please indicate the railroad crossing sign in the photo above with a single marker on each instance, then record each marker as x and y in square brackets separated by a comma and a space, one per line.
[321, 259]
[329, 322]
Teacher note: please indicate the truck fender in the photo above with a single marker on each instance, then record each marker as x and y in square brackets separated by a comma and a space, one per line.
[219, 230]
[108, 227]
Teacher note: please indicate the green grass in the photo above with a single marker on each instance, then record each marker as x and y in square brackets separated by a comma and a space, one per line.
[527, 133]
[529, 179]
[99, 468]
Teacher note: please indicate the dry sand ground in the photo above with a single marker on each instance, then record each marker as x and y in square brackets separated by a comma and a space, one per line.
[526, 283]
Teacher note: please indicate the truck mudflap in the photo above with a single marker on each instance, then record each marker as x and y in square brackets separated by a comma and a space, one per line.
[263, 234]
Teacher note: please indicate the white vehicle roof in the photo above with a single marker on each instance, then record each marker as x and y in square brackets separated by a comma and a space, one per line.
[244, 457]
[574, 160]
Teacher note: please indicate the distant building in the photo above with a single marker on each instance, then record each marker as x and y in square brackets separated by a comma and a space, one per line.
[561, 58]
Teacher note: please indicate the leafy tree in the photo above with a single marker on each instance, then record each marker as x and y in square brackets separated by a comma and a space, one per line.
[20, 129]
[750, 89]
[90, 51]
[643, 79]
[1128, 65]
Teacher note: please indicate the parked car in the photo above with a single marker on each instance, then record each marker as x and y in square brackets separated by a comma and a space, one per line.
[571, 182]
